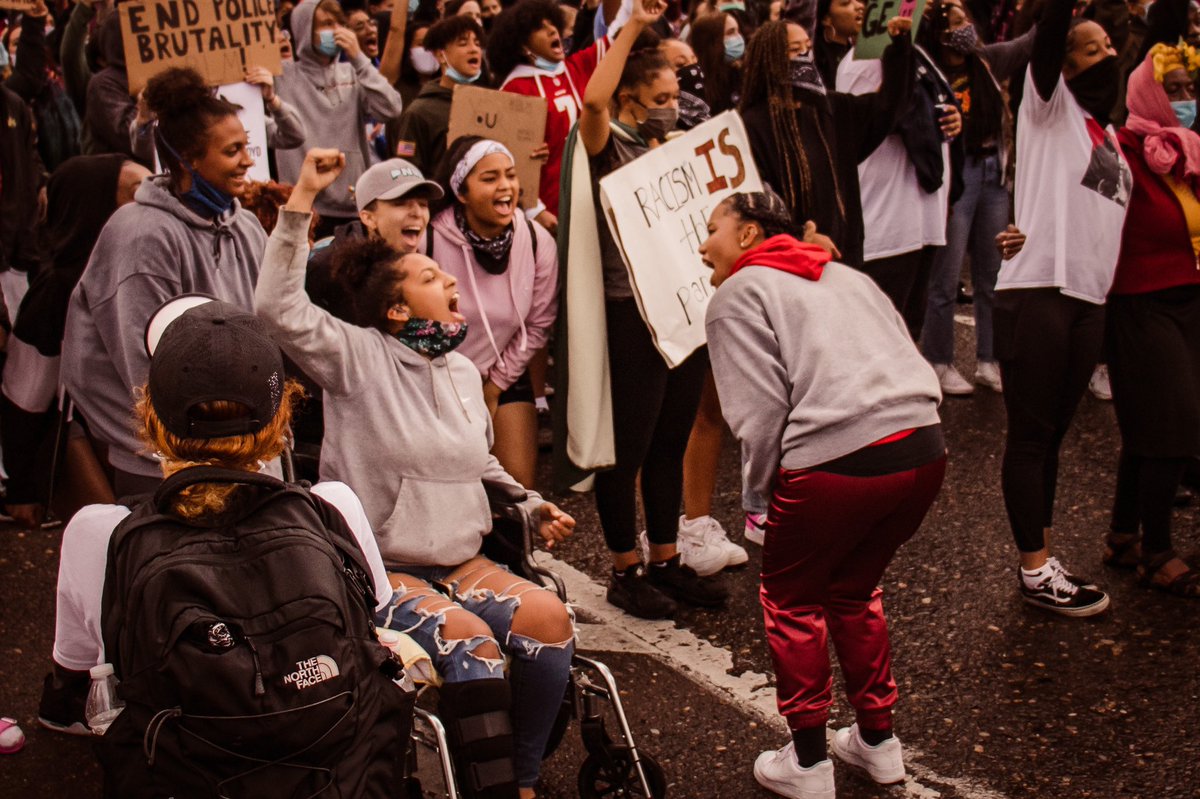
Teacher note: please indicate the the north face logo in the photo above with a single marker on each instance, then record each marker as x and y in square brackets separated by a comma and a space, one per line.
[312, 671]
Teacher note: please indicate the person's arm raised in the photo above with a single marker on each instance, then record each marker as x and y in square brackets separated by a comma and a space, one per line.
[593, 123]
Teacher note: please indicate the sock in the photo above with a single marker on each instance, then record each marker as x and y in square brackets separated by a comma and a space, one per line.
[810, 745]
[1032, 577]
[874, 737]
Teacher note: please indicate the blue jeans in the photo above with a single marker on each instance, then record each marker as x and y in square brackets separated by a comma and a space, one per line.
[538, 674]
[980, 213]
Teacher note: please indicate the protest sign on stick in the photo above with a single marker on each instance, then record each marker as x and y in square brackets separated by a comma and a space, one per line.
[874, 38]
[657, 208]
[217, 38]
[516, 121]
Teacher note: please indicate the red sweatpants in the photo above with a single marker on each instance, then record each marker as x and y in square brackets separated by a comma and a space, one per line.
[829, 539]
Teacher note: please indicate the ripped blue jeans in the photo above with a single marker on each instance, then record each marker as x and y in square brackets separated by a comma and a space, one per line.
[538, 672]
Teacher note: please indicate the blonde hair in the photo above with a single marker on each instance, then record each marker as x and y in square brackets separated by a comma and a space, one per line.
[240, 452]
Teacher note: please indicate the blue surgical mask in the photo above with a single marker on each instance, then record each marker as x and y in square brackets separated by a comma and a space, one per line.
[458, 77]
[546, 64]
[1185, 110]
[202, 195]
[326, 45]
[735, 48]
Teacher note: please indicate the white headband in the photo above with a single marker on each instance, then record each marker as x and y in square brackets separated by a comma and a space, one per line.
[479, 150]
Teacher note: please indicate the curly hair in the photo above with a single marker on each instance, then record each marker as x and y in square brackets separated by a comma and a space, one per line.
[767, 79]
[186, 108]
[367, 283]
[512, 28]
[241, 452]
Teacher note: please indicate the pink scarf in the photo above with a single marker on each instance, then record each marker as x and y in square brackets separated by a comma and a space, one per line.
[1168, 148]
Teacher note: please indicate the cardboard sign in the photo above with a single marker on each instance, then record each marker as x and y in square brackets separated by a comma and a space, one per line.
[254, 119]
[658, 208]
[516, 121]
[217, 38]
[23, 6]
[874, 38]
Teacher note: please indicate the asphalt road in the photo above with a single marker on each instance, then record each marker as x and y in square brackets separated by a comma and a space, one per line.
[997, 699]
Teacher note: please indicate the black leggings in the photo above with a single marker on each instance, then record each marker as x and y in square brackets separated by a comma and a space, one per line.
[653, 410]
[1146, 497]
[1047, 344]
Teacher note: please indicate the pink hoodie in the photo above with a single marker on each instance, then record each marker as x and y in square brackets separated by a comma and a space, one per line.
[509, 316]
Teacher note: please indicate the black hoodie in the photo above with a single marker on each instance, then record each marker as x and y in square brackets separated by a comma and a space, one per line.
[110, 109]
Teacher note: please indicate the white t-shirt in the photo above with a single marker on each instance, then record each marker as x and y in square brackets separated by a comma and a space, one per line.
[1072, 190]
[898, 215]
[78, 643]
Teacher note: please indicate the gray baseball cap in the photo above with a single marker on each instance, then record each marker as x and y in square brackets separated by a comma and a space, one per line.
[391, 179]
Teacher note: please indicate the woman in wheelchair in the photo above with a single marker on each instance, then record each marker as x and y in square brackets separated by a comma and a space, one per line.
[407, 428]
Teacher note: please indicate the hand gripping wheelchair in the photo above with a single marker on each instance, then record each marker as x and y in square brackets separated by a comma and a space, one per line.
[614, 767]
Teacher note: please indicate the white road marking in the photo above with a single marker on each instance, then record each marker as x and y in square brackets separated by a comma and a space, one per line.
[709, 666]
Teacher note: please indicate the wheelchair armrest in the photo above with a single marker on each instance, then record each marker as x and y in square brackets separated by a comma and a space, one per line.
[501, 494]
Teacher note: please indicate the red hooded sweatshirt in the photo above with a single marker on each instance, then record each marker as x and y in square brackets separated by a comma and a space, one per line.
[786, 254]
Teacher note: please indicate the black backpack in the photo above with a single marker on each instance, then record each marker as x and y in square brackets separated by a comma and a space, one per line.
[247, 653]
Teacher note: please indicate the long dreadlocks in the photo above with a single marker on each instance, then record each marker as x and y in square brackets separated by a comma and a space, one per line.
[766, 77]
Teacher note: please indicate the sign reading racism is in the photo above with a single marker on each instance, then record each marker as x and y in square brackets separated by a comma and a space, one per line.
[657, 209]
[217, 38]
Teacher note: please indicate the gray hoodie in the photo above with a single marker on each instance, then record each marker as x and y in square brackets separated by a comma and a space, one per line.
[410, 435]
[810, 370]
[334, 100]
[150, 250]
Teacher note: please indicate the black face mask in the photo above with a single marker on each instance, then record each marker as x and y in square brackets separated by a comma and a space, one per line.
[1095, 89]
[691, 80]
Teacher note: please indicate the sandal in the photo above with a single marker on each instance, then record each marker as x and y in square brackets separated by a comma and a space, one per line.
[1186, 584]
[1123, 550]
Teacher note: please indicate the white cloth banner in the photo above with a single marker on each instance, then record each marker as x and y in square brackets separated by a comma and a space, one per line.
[254, 119]
[657, 208]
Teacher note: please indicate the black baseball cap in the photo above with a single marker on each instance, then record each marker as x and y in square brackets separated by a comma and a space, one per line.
[203, 350]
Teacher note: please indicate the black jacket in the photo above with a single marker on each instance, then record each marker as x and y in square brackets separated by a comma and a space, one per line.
[421, 133]
[23, 175]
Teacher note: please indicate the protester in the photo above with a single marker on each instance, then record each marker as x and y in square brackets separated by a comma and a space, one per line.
[83, 194]
[842, 448]
[1153, 324]
[976, 73]
[184, 232]
[22, 203]
[526, 48]
[111, 109]
[1072, 189]
[457, 44]
[808, 140]
[418, 65]
[172, 394]
[840, 22]
[395, 387]
[335, 99]
[719, 47]
[629, 107]
[39, 83]
[507, 270]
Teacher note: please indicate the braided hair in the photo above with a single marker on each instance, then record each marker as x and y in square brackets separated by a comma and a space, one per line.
[764, 208]
[766, 77]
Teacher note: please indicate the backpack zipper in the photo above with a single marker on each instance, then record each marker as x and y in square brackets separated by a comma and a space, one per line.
[259, 688]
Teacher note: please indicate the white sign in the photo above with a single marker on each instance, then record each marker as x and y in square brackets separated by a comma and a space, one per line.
[254, 120]
[658, 207]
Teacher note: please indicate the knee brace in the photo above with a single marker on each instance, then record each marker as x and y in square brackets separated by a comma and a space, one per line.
[478, 720]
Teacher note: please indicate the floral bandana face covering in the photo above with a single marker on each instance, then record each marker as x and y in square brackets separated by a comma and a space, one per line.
[431, 339]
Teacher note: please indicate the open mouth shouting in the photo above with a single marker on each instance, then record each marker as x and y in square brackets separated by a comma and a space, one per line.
[458, 317]
[410, 236]
[505, 205]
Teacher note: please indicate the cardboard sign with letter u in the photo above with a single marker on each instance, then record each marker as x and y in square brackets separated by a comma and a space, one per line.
[657, 208]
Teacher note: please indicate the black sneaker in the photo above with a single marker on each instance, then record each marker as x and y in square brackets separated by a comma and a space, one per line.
[632, 593]
[64, 695]
[1057, 593]
[682, 584]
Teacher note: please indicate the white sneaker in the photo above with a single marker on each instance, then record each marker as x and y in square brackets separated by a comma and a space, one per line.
[1099, 386]
[779, 771]
[952, 382]
[710, 530]
[704, 557]
[885, 762]
[756, 528]
[987, 373]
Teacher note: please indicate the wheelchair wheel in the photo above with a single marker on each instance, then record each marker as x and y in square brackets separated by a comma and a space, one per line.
[596, 779]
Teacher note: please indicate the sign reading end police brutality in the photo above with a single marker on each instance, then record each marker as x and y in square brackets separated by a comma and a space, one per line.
[217, 38]
[658, 208]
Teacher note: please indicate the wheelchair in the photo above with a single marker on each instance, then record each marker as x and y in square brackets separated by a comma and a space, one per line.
[614, 766]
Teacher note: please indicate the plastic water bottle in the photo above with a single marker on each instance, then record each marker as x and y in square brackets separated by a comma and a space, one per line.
[103, 705]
